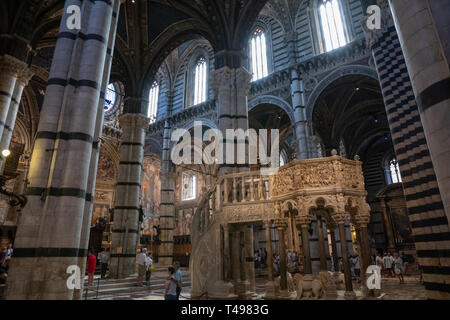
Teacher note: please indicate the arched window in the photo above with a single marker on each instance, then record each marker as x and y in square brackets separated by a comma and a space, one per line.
[189, 186]
[153, 102]
[332, 23]
[393, 172]
[258, 50]
[200, 81]
[110, 97]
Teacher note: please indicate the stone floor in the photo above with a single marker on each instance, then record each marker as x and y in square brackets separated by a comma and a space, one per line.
[126, 289]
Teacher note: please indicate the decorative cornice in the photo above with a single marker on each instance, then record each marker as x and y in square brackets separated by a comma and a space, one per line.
[195, 112]
[134, 120]
[25, 76]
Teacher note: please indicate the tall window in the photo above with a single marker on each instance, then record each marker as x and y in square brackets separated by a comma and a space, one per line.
[189, 188]
[200, 81]
[153, 102]
[332, 24]
[394, 171]
[110, 97]
[258, 47]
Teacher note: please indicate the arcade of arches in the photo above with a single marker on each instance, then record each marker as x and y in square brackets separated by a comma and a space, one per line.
[87, 118]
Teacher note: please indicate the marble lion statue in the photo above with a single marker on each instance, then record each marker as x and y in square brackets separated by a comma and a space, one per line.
[290, 283]
[308, 287]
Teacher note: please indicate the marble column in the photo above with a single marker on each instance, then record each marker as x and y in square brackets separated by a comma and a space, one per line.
[364, 247]
[334, 249]
[322, 250]
[427, 64]
[281, 226]
[167, 205]
[340, 220]
[90, 196]
[231, 87]
[10, 69]
[267, 226]
[304, 223]
[387, 226]
[249, 257]
[49, 230]
[23, 77]
[125, 233]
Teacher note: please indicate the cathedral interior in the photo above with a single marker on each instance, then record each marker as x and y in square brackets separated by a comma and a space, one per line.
[91, 93]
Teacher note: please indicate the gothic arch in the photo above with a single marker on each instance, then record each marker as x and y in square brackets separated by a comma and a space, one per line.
[277, 101]
[335, 75]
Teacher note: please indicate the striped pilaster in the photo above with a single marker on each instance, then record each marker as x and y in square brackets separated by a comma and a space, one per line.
[429, 223]
[49, 230]
[125, 234]
[167, 205]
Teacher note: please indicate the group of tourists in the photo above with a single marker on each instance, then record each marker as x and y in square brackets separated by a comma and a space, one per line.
[145, 267]
[392, 265]
[260, 258]
[173, 283]
[91, 264]
[5, 258]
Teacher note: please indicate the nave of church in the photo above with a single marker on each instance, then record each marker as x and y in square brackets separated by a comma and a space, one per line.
[268, 149]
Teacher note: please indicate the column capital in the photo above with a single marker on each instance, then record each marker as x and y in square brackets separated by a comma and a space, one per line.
[11, 65]
[362, 220]
[340, 218]
[25, 76]
[133, 120]
[281, 224]
[303, 221]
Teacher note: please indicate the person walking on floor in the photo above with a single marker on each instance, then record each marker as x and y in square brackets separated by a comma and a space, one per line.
[398, 267]
[90, 267]
[171, 286]
[178, 278]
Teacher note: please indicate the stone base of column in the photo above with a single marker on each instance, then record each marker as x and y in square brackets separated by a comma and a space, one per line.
[165, 261]
[243, 290]
[222, 290]
[329, 284]
[350, 295]
[272, 291]
[122, 268]
[285, 295]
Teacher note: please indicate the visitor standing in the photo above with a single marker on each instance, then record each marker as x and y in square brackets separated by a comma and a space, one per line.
[171, 286]
[357, 268]
[178, 278]
[104, 257]
[141, 267]
[90, 267]
[148, 268]
[398, 267]
[379, 261]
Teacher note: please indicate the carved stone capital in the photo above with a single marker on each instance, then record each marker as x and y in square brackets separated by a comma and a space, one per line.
[11, 66]
[133, 120]
[362, 220]
[25, 76]
[340, 218]
[280, 224]
[303, 221]
[243, 78]
[220, 79]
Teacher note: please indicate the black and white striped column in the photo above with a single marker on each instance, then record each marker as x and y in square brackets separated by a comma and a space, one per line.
[231, 88]
[426, 210]
[90, 195]
[49, 231]
[125, 233]
[10, 69]
[22, 81]
[167, 205]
